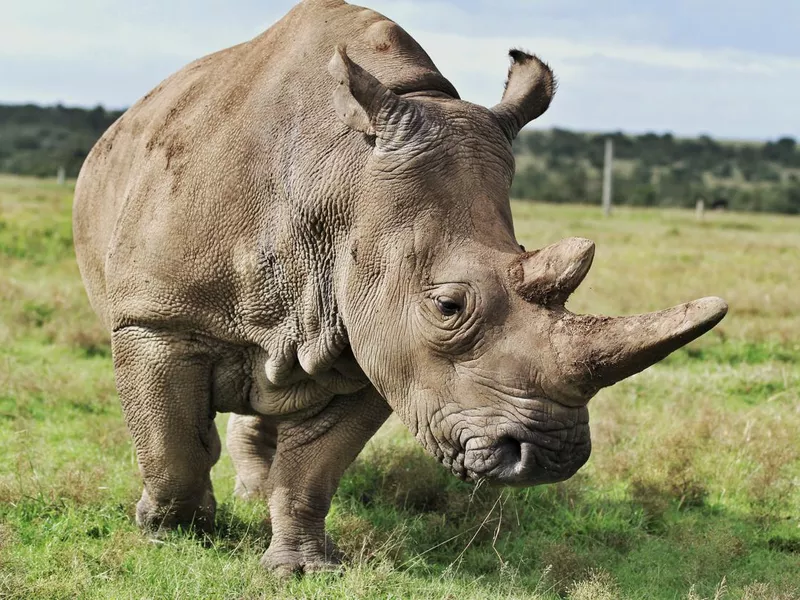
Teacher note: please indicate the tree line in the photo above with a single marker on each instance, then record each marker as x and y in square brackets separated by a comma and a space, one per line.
[659, 170]
[37, 140]
[552, 166]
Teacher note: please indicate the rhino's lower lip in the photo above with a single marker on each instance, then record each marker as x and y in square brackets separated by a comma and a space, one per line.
[457, 468]
[455, 464]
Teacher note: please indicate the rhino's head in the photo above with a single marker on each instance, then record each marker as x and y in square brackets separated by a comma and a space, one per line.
[464, 333]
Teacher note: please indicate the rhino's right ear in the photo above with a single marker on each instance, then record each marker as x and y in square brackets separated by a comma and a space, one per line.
[364, 104]
[529, 90]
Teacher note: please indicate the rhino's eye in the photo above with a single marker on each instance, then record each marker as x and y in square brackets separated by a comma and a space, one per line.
[447, 306]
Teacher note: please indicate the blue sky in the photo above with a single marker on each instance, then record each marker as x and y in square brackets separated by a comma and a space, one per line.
[728, 68]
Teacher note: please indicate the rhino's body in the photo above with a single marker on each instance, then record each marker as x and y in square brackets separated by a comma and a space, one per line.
[257, 247]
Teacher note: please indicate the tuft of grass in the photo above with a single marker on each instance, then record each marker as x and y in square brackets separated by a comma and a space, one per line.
[765, 591]
[600, 585]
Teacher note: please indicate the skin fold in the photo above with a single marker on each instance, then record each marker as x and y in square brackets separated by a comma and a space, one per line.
[311, 230]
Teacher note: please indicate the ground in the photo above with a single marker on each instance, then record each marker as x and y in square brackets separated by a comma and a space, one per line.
[691, 492]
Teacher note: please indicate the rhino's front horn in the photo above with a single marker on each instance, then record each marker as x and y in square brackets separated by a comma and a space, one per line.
[550, 275]
[364, 104]
[596, 352]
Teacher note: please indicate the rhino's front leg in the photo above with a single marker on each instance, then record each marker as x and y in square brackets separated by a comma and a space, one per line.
[163, 381]
[311, 456]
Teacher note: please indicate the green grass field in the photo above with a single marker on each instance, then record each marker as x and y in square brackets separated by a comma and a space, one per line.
[692, 491]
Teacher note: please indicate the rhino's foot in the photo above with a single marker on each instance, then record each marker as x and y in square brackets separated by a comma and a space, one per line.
[311, 456]
[252, 440]
[196, 515]
[285, 560]
[251, 489]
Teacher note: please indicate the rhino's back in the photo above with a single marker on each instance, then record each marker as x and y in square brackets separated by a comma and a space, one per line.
[180, 195]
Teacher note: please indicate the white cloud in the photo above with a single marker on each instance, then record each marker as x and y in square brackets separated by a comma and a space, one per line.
[123, 40]
[573, 59]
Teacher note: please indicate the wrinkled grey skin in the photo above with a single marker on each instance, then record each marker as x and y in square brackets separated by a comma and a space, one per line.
[311, 237]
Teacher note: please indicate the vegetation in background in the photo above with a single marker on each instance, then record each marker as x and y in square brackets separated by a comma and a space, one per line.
[659, 170]
[37, 140]
[552, 166]
[691, 491]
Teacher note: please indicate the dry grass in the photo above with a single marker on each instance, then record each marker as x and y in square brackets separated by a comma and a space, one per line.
[599, 586]
[647, 260]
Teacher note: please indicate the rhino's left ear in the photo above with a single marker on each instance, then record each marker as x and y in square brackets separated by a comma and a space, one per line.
[529, 90]
[353, 80]
[363, 103]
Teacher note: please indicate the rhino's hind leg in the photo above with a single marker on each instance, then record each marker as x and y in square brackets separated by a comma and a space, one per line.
[251, 443]
[311, 456]
[163, 381]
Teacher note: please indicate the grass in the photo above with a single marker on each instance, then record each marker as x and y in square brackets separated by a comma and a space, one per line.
[691, 492]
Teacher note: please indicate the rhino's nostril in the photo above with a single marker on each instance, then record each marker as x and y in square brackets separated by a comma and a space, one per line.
[510, 450]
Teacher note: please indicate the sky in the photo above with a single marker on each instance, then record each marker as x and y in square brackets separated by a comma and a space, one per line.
[725, 68]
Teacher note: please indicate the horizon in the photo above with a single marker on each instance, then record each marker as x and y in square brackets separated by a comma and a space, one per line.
[725, 70]
[527, 128]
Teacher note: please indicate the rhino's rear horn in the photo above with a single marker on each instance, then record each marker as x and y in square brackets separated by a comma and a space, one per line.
[364, 104]
[550, 275]
[530, 87]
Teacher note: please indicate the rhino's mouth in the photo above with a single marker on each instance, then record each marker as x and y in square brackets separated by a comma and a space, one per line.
[522, 456]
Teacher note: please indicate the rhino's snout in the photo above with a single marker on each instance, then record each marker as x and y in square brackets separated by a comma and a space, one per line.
[529, 456]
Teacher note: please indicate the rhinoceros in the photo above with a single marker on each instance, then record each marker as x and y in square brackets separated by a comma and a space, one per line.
[311, 230]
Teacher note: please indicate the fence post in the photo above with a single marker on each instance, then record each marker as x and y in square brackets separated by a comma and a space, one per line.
[700, 209]
[608, 170]
[61, 176]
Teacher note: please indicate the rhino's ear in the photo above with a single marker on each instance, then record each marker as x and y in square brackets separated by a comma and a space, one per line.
[356, 89]
[529, 90]
[364, 104]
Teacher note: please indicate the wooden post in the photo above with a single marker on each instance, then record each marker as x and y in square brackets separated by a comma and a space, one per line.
[61, 177]
[700, 209]
[608, 173]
